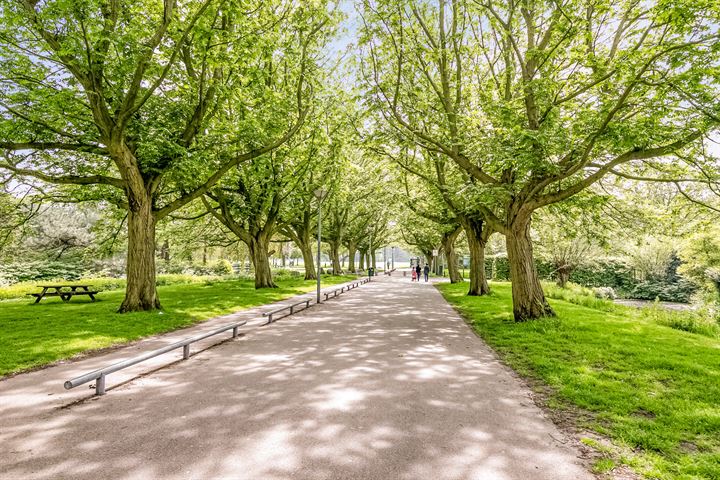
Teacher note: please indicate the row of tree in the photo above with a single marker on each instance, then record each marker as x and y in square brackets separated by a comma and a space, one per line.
[499, 109]
[179, 110]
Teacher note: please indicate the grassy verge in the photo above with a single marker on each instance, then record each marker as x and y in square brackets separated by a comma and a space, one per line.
[653, 390]
[35, 335]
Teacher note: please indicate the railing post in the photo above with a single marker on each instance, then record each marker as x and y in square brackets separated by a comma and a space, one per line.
[291, 309]
[100, 385]
[235, 332]
[186, 351]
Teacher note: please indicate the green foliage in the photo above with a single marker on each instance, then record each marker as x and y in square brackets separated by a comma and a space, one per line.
[41, 270]
[651, 389]
[701, 257]
[616, 274]
[35, 335]
[680, 291]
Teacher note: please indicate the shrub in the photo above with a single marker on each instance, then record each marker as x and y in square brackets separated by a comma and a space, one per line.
[41, 270]
[607, 293]
[681, 291]
[223, 267]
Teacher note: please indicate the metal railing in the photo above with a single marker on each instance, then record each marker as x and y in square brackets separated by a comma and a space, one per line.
[289, 307]
[345, 288]
[100, 374]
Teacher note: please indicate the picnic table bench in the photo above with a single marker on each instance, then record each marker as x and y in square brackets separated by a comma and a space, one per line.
[66, 295]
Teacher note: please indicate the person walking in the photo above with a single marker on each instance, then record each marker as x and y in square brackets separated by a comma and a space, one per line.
[414, 273]
[418, 271]
[426, 271]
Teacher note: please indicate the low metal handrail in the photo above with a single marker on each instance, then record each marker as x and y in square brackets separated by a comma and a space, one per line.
[342, 289]
[100, 374]
[288, 307]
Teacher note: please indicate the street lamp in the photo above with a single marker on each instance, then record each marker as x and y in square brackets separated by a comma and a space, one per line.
[319, 194]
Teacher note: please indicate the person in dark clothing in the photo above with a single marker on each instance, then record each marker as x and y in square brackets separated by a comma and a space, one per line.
[418, 271]
[426, 271]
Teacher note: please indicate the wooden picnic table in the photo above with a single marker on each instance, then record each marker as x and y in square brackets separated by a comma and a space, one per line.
[63, 292]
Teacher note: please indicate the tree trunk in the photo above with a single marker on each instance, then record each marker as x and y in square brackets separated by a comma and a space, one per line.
[361, 267]
[371, 260]
[335, 258]
[352, 250]
[528, 298]
[308, 261]
[259, 255]
[141, 292]
[563, 275]
[448, 246]
[477, 239]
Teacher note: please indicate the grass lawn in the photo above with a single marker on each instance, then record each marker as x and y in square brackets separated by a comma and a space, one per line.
[38, 334]
[654, 391]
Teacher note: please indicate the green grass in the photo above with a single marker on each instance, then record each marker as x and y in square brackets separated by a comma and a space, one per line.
[38, 334]
[653, 390]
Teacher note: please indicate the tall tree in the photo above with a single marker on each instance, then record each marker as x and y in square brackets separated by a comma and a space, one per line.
[133, 96]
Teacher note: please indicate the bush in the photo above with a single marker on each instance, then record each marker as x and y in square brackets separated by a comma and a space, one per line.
[41, 270]
[608, 293]
[222, 268]
[681, 291]
[614, 274]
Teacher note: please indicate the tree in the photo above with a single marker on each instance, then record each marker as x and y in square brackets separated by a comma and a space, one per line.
[249, 201]
[537, 101]
[134, 103]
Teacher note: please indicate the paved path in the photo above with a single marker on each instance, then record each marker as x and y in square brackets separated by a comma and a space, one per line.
[385, 382]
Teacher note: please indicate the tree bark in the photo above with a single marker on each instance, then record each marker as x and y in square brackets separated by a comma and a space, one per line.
[448, 246]
[335, 257]
[141, 291]
[563, 275]
[361, 267]
[529, 301]
[259, 253]
[352, 250]
[371, 260]
[308, 260]
[477, 239]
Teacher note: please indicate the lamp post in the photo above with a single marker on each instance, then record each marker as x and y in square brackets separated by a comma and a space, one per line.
[319, 194]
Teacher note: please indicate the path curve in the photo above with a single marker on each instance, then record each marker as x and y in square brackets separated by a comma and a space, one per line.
[386, 382]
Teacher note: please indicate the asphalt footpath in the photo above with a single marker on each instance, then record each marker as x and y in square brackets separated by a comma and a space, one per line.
[383, 382]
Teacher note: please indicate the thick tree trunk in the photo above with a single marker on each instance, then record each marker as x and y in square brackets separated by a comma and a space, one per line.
[259, 255]
[448, 246]
[335, 258]
[361, 267]
[477, 240]
[528, 298]
[141, 292]
[308, 261]
[352, 250]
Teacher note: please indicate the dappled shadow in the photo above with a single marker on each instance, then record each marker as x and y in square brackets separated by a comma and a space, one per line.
[386, 382]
